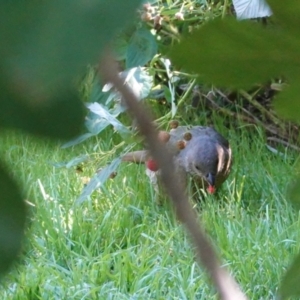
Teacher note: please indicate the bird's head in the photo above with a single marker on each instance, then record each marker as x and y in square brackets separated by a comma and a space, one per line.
[203, 162]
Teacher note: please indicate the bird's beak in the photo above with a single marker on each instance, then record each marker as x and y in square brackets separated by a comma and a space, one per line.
[210, 178]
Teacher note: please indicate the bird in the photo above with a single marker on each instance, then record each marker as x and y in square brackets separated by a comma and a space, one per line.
[198, 152]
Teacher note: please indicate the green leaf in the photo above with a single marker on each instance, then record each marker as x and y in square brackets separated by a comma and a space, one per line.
[139, 81]
[56, 116]
[77, 140]
[290, 282]
[46, 43]
[238, 54]
[120, 45]
[287, 104]
[95, 124]
[73, 162]
[103, 113]
[77, 160]
[98, 180]
[167, 94]
[141, 49]
[12, 220]
[287, 13]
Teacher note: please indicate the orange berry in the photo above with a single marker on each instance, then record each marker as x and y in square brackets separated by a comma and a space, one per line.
[187, 136]
[164, 136]
[174, 124]
[181, 144]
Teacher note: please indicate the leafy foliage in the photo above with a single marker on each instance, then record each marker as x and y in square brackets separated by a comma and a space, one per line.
[57, 39]
[141, 49]
[104, 104]
[58, 116]
[45, 46]
[240, 59]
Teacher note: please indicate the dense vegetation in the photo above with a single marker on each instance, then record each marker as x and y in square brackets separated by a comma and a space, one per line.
[119, 244]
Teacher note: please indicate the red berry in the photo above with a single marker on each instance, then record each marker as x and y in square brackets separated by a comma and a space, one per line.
[211, 189]
[152, 165]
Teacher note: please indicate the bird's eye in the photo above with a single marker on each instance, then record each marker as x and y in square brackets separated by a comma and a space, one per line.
[197, 167]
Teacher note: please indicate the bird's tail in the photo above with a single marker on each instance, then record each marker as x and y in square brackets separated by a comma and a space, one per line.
[138, 157]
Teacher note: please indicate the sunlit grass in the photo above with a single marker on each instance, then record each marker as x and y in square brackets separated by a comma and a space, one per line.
[121, 245]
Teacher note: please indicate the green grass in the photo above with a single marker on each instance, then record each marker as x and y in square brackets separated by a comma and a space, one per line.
[121, 245]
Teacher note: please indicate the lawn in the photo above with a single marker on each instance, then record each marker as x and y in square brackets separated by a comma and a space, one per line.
[121, 245]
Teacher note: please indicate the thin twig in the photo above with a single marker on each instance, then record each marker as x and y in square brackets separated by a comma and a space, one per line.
[260, 107]
[228, 112]
[286, 144]
[226, 286]
[251, 119]
[181, 100]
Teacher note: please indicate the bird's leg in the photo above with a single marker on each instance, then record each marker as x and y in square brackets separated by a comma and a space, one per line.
[157, 187]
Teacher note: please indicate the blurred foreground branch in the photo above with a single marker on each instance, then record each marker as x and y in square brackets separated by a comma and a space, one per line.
[226, 286]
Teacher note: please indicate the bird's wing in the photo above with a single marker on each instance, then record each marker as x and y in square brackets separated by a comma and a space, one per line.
[211, 132]
[224, 160]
